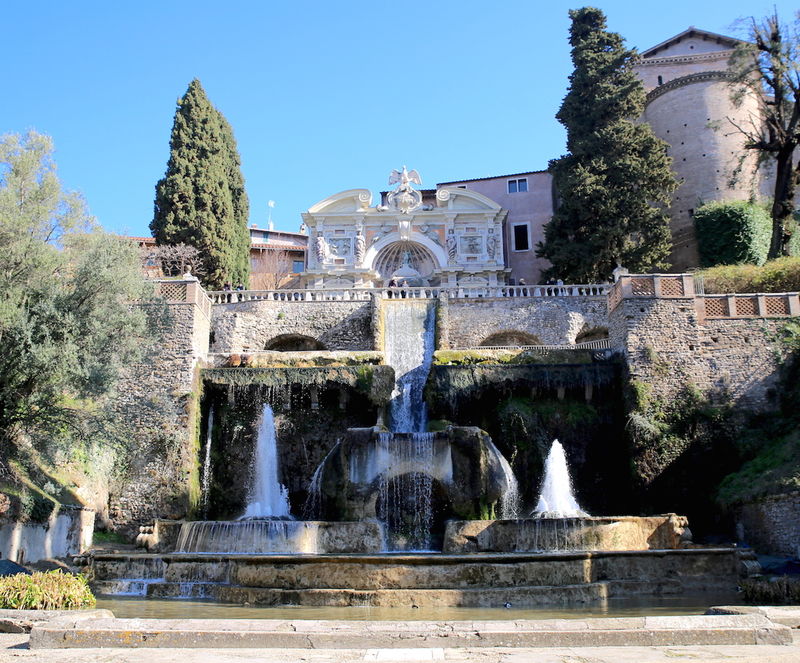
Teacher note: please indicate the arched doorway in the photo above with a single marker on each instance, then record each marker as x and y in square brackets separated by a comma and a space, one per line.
[511, 337]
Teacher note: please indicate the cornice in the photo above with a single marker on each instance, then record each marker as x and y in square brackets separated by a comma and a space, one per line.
[683, 81]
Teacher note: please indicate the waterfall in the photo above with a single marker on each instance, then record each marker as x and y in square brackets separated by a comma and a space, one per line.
[268, 498]
[510, 500]
[409, 329]
[556, 499]
[405, 502]
[205, 479]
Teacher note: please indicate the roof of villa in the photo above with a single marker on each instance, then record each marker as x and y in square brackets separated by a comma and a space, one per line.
[692, 31]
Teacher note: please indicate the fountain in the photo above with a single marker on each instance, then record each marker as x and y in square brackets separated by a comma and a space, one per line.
[556, 499]
[432, 516]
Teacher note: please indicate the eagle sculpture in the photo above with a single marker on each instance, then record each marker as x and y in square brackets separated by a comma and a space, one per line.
[404, 177]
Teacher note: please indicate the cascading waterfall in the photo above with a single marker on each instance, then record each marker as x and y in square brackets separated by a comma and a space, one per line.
[409, 328]
[268, 498]
[556, 499]
[510, 501]
[205, 479]
[407, 496]
[406, 490]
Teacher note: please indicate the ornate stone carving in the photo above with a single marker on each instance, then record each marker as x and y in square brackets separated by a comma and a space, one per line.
[491, 246]
[361, 247]
[405, 199]
[452, 248]
[322, 249]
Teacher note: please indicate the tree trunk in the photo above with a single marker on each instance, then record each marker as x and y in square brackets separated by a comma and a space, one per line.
[783, 202]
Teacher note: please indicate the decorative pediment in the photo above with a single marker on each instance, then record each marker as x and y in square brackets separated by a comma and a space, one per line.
[458, 198]
[350, 201]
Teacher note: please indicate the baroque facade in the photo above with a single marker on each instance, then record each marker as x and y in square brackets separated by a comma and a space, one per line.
[444, 237]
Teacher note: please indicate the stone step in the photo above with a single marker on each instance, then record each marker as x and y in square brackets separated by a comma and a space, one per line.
[308, 634]
[696, 570]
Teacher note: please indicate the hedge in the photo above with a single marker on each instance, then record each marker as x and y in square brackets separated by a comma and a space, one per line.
[780, 275]
[732, 232]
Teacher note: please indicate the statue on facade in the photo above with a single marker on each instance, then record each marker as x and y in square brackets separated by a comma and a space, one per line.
[322, 248]
[451, 248]
[491, 246]
[361, 247]
[303, 228]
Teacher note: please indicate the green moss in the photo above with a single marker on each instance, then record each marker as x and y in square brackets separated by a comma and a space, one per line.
[304, 360]
[774, 470]
[437, 425]
[510, 357]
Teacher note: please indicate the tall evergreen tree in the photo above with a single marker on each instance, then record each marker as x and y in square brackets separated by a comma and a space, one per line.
[614, 184]
[201, 199]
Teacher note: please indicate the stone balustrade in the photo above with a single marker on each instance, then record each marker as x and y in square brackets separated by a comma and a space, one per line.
[365, 294]
[671, 286]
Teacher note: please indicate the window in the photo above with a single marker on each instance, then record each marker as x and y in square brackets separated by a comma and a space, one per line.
[518, 186]
[298, 266]
[521, 239]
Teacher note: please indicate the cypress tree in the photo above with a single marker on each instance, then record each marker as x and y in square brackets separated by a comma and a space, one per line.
[201, 200]
[613, 185]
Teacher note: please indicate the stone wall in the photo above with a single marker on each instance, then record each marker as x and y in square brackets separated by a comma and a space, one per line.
[771, 525]
[667, 343]
[158, 398]
[252, 325]
[550, 320]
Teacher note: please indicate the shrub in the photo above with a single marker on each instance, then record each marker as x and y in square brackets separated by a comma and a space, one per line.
[779, 275]
[733, 232]
[51, 590]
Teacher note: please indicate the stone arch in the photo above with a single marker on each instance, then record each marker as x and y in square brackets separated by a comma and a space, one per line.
[390, 257]
[293, 343]
[436, 250]
[591, 334]
[513, 337]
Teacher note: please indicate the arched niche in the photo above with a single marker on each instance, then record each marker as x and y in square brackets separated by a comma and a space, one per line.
[293, 343]
[436, 251]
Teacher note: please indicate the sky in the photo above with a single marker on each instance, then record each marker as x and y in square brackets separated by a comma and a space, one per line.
[322, 96]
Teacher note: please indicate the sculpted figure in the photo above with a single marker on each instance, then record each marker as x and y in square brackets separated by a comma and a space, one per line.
[491, 246]
[451, 248]
[361, 246]
[322, 248]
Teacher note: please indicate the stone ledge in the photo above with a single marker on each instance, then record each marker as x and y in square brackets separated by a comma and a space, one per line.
[786, 615]
[313, 634]
[22, 621]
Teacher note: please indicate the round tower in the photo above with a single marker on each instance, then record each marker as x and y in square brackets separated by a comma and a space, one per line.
[689, 106]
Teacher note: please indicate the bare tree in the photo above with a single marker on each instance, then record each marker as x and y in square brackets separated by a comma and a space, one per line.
[172, 260]
[271, 269]
[767, 68]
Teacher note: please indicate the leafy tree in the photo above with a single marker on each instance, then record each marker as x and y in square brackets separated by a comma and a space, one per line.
[767, 69]
[201, 199]
[66, 324]
[614, 184]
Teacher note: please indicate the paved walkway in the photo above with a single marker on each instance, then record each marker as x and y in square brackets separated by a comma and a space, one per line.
[13, 647]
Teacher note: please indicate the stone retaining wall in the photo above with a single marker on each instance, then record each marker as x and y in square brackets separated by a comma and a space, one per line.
[771, 525]
[250, 326]
[551, 320]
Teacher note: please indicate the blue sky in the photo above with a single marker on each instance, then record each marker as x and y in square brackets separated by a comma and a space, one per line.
[322, 96]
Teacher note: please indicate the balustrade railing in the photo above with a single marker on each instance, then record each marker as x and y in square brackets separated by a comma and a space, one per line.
[365, 294]
[599, 344]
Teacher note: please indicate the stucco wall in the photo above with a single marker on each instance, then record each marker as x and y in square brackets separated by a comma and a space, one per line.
[251, 325]
[553, 320]
[68, 531]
